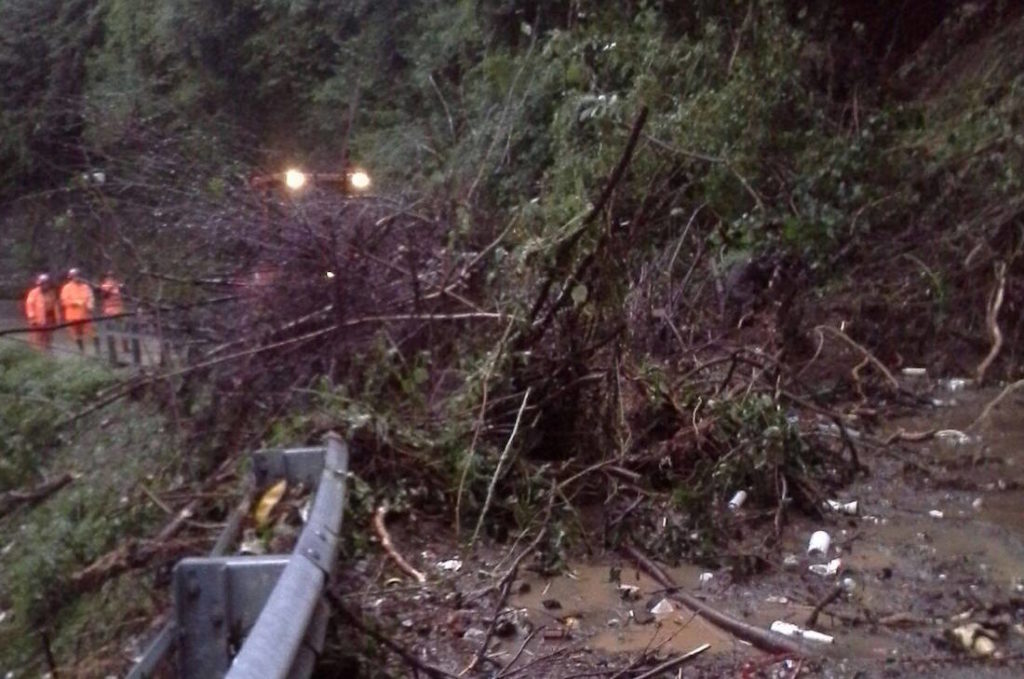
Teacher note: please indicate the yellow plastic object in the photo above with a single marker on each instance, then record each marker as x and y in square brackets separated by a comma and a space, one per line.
[267, 503]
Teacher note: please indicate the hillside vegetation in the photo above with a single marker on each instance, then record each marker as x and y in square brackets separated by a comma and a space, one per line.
[649, 235]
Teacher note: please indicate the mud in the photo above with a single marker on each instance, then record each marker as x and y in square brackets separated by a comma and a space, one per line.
[911, 577]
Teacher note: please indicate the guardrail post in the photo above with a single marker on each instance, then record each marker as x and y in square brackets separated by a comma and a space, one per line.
[270, 606]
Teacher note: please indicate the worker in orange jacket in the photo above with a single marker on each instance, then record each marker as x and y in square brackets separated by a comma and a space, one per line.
[42, 311]
[112, 304]
[77, 303]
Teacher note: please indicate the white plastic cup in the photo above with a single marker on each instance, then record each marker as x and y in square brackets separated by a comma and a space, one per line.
[737, 500]
[786, 629]
[819, 543]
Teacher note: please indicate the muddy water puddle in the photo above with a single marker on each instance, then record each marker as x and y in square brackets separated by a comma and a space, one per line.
[613, 616]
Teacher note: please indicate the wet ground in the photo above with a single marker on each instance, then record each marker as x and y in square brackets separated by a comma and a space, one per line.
[935, 550]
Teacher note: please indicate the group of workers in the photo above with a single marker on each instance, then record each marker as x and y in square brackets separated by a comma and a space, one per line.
[72, 306]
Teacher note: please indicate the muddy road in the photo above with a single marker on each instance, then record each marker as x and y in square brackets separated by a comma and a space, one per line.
[928, 577]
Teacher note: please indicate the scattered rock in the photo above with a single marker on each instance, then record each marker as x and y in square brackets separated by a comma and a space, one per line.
[450, 566]
[663, 607]
[629, 592]
[641, 615]
[551, 604]
[474, 634]
[505, 629]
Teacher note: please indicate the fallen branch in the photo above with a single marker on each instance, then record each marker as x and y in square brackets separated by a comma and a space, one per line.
[408, 658]
[992, 320]
[129, 556]
[987, 411]
[673, 663]
[909, 436]
[562, 255]
[389, 547]
[762, 639]
[16, 498]
[833, 594]
[504, 587]
[867, 354]
[497, 471]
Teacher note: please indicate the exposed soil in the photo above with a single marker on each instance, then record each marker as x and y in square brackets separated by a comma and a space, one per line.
[911, 578]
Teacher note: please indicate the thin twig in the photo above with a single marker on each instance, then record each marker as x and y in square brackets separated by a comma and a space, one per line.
[497, 471]
[674, 662]
[504, 588]
[385, 542]
[407, 657]
[987, 411]
[992, 320]
[867, 354]
[499, 350]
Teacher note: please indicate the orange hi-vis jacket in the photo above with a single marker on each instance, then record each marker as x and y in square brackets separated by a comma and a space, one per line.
[41, 307]
[77, 301]
[110, 296]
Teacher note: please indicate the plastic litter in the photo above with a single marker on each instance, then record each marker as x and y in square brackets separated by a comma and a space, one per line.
[915, 372]
[788, 629]
[705, 578]
[826, 570]
[936, 514]
[955, 384]
[819, 543]
[843, 507]
[629, 592]
[953, 437]
[737, 500]
[451, 565]
[663, 607]
[974, 639]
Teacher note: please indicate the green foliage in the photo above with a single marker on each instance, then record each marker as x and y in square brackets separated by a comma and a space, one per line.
[36, 392]
[110, 457]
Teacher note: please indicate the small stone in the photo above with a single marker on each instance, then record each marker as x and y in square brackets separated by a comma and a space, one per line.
[551, 604]
[642, 616]
[521, 587]
[629, 592]
[505, 629]
[474, 634]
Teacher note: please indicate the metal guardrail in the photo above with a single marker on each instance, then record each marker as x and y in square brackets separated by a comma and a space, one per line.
[249, 617]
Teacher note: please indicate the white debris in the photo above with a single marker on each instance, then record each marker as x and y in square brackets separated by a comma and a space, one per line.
[788, 629]
[705, 578]
[819, 543]
[936, 513]
[843, 507]
[629, 592]
[977, 503]
[304, 510]
[955, 384]
[663, 607]
[251, 543]
[974, 639]
[737, 500]
[915, 372]
[953, 437]
[791, 561]
[776, 599]
[826, 570]
[450, 566]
